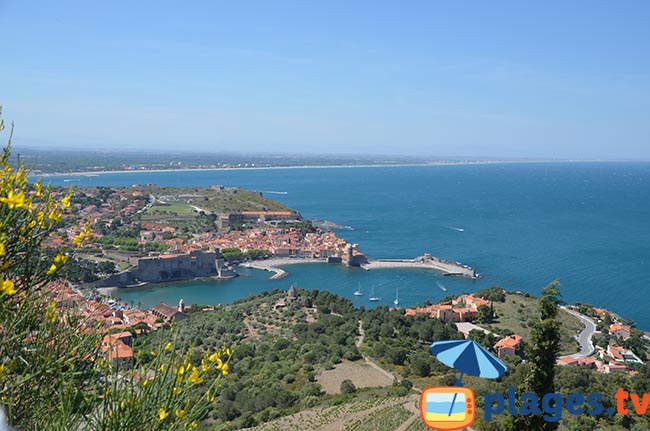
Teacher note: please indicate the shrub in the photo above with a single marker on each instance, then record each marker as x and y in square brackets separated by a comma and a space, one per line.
[53, 374]
[347, 387]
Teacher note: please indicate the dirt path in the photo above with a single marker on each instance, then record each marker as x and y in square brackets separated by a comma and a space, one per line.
[369, 361]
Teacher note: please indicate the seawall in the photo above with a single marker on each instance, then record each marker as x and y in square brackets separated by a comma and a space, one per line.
[427, 261]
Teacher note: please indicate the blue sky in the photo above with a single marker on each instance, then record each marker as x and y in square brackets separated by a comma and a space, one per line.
[463, 78]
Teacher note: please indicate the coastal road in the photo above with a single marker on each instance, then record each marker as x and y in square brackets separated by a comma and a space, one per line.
[586, 345]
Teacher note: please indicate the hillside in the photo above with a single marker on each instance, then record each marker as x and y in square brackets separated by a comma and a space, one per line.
[294, 356]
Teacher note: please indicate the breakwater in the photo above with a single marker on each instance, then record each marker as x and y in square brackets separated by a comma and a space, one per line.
[447, 267]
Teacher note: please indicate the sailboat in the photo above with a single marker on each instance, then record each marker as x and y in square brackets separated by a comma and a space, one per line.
[372, 295]
[358, 291]
[396, 301]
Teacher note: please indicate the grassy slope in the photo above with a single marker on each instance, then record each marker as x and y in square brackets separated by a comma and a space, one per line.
[216, 200]
[519, 312]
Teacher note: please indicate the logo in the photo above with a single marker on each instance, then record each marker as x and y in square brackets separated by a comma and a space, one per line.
[453, 407]
[450, 408]
[447, 407]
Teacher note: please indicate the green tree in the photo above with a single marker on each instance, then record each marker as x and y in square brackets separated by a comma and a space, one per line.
[347, 387]
[541, 350]
[484, 314]
[53, 373]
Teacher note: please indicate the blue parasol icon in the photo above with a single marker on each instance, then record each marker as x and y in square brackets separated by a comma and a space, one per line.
[468, 357]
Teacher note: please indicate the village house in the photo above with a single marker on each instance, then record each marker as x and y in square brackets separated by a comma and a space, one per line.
[620, 331]
[168, 313]
[572, 361]
[508, 346]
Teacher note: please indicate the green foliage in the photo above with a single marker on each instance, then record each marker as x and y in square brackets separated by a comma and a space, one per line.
[347, 387]
[234, 254]
[485, 314]
[53, 374]
[541, 351]
[402, 342]
[494, 293]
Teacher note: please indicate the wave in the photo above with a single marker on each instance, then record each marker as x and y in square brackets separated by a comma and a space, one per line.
[271, 192]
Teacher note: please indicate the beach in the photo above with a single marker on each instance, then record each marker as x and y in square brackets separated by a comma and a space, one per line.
[273, 264]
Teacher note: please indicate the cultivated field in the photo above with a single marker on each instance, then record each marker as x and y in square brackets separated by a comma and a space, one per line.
[360, 373]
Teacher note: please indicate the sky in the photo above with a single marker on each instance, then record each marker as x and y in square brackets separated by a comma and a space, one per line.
[505, 79]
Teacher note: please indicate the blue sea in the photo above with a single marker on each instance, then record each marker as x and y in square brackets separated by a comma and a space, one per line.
[520, 225]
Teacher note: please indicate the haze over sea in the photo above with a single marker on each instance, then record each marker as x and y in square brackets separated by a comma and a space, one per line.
[519, 225]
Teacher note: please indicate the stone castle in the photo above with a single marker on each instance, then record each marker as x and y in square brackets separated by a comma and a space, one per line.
[172, 267]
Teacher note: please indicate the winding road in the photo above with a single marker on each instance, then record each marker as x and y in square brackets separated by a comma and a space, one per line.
[586, 345]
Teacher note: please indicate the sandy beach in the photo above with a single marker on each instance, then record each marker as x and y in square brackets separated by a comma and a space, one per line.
[273, 264]
[387, 165]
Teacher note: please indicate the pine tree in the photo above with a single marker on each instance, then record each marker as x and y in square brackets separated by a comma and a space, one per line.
[542, 351]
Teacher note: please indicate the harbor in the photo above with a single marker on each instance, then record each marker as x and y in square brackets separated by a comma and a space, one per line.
[448, 268]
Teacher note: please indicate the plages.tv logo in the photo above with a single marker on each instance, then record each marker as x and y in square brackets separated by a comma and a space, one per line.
[453, 407]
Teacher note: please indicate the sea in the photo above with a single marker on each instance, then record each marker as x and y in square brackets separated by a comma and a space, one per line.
[521, 225]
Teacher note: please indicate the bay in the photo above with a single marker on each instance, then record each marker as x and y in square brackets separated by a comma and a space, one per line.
[521, 226]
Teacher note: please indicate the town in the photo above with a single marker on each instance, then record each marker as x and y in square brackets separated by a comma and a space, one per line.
[167, 236]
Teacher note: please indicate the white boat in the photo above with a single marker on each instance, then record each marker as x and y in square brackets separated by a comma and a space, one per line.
[396, 301]
[441, 286]
[372, 295]
[358, 291]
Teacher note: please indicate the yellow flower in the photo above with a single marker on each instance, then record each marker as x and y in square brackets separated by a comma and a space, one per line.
[66, 202]
[14, 201]
[145, 382]
[82, 236]
[209, 397]
[54, 215]
[41, 219]
[162, 414]
[224, 370]
[162, 368]
[50, 314]
[204, 365]
[194, 376]
[179, 374]
[180, 414]
[216, 358]
[176, 390]
[39, 189]
[2, 249]
[152, 353]
[60, 258]
[7, 287]
[52, 270]
[168, 346]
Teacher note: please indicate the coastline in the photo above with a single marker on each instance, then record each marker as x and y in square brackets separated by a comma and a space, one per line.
[272, 265]
[402, 263]
[125, 171]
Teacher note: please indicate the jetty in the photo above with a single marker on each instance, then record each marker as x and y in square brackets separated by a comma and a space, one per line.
[447, 267]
